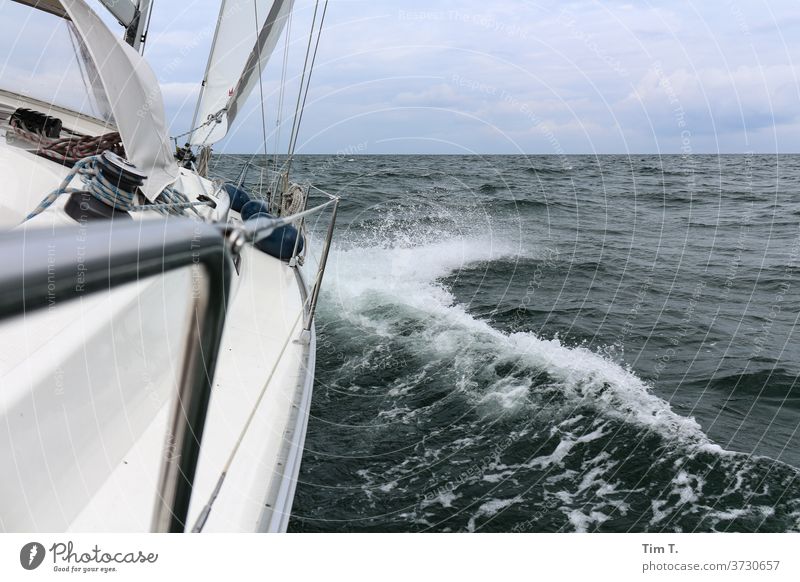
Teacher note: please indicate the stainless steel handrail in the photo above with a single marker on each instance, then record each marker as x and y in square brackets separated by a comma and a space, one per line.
[43, 265]
[277, 182]
[321, 267]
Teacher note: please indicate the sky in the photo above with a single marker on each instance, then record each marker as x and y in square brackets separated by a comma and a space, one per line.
[512, 76]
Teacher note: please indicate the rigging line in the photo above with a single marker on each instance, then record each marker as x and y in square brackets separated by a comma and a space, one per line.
[302, 81]
[211, 119]
[201, 519]
[261, 83]
[147, 26]
[282, 92]
[308, 83]
[208, 67]
[96, 97]
[79, 58]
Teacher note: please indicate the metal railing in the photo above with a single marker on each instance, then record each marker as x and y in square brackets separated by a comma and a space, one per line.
[323, 262]
[42, 266]
[272, 185]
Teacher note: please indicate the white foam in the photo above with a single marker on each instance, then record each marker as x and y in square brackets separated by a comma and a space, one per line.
[444, 498]
[729, 515]
[403, 282]
[592, 379]
[490, 508]
[407, 273]
[687, 487]
[388, 486]
[507, 397]
[499, 477]
[591, 479]
[562, 450]
[658, 511]
[582, 521]
[593, 436]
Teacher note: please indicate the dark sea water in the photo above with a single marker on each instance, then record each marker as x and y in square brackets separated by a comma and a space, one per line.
[580, 343]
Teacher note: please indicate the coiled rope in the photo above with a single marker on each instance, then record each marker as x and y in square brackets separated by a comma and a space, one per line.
[172, 201]
[69, 150]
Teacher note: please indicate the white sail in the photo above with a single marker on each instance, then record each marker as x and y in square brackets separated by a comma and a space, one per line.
[241, 48]
[134, 97]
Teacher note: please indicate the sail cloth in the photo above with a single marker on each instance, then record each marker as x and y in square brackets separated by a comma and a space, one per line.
[125, 11]
[134, 96]
[240, 51]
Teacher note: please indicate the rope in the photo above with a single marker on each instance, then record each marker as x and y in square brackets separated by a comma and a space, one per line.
[282, 92]
[175, 203]
[295, 125]
[83, 167]
[97, 185]
[215, 118]
[293, 200]
[198, 527]
[203, 158]
[69, 150]
[261, 83]
[299, 115]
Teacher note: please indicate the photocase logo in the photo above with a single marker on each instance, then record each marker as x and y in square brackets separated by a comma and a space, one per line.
[31, 555]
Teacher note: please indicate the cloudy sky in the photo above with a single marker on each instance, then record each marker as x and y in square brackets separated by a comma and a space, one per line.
[516, 76]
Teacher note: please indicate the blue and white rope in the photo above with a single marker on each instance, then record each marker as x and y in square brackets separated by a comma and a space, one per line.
[99, 187]
[86, 168]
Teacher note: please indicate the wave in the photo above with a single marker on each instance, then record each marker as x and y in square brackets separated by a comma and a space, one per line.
[408, 279]
[550, 170]
[772, 383]
[489, 188]
[519, 205]
[661, 171]
[473, 428]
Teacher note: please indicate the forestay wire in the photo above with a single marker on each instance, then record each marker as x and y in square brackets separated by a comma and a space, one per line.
[305, 79]
[260, 82]
[300, 107]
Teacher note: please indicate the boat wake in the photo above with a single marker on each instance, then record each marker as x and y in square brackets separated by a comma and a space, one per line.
[451, 424]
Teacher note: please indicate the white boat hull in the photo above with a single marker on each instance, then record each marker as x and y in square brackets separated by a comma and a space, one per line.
[87, 408]
[86, 389]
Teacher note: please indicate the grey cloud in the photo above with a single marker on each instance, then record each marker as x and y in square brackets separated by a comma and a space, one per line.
[425, 74]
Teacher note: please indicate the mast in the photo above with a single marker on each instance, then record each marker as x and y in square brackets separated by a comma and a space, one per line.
[136, 31]
[133, 15]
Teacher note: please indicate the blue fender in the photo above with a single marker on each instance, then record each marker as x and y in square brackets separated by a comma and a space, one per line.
[280, 243]
[239, 196]
[254, 207]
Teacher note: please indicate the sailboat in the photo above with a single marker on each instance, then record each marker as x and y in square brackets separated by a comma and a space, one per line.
[157, 322]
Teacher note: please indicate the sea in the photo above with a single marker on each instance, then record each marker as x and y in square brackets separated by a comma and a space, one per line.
[554, 344]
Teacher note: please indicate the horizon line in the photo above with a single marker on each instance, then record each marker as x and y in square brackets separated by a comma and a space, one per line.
[363, 155]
